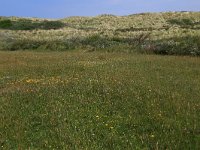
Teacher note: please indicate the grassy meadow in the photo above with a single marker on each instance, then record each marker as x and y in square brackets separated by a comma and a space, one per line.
[98, 100]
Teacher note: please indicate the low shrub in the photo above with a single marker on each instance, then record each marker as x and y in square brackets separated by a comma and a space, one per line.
[4, 24]
[174, 46]
[99, 42]
[181, 22]
[45, 45]
[26, 24]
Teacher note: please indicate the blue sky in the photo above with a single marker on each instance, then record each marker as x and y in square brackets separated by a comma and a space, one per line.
[65, 8]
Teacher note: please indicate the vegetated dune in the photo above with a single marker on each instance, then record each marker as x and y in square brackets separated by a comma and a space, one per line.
[175, 33]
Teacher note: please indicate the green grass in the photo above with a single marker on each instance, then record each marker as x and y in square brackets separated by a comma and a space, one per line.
[76, 100]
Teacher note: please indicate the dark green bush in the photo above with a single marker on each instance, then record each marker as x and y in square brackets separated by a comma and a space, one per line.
[26, 24]
[183, 23]
[174, 46]
[5, 24]
[50, 25]
[98, 42]
[45, 45]
[29, 25]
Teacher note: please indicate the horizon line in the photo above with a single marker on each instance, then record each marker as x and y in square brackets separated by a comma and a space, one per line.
[183, 11]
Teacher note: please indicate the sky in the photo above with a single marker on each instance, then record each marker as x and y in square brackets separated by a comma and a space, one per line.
[66, 8]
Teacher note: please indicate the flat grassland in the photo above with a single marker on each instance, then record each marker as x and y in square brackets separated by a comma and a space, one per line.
[76, 100]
